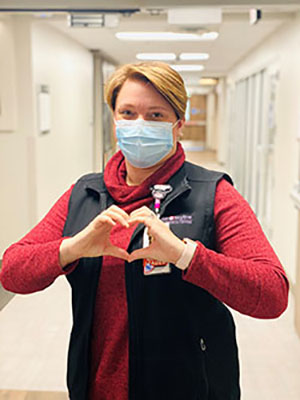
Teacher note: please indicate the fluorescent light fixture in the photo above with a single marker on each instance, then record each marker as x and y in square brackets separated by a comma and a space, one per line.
[210, 36]
[208, 81]
[166, 36]
[194, 56]
[187, 67]
[156, 56]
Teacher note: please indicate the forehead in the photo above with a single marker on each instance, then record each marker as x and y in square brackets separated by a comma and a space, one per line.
[139, 93]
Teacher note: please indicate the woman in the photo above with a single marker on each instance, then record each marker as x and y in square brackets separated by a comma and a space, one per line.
[153, 249]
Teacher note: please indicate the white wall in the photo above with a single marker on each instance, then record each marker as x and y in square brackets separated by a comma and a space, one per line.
[211, 121]
[67, 151]
[35, 169]
[283, 50]
[221, 117]
[15, 199]
[7, 77]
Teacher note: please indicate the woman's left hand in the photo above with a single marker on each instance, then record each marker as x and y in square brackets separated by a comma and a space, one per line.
[164, 246]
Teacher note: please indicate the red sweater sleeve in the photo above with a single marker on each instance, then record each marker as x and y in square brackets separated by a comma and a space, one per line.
[243, 272]
[32, 263]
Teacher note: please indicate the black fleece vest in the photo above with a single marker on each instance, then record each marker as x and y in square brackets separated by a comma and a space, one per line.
[182, 342]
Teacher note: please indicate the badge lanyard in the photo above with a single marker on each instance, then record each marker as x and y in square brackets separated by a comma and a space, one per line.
[151, 267]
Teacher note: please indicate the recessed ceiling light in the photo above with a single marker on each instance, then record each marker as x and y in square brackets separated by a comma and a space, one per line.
[166, 36]
[43, 15]
[187, 68]
[156, 56]
[208, 81]
[194, 56]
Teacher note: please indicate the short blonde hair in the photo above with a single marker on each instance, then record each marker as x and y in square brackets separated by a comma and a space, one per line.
[164, 78]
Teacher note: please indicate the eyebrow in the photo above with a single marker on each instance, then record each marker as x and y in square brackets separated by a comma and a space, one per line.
[149, 109]
[125, 105]
[158, 108]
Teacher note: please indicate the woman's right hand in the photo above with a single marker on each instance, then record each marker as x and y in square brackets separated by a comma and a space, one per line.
[94, 239]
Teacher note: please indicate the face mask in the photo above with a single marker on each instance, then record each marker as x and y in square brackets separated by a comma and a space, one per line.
[144, 143]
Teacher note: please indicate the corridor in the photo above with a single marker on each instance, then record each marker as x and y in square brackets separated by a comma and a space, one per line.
[240, 65]
[34, 339]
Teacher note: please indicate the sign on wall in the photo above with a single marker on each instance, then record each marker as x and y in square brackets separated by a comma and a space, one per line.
[44, 109]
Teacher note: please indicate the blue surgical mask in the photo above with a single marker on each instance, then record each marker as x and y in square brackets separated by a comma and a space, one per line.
[144, 143]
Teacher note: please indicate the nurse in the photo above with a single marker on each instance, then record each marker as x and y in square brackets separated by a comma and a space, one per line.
[155, 249]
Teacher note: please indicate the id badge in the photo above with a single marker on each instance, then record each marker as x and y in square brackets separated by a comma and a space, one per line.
[152, 267]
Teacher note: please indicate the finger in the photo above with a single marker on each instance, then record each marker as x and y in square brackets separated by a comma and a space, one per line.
[144, 214]
[117, 217]
[148, 214]
[117, 252]
[118, 210]
[140, 254]
[140, 220]
[141, 211]
[104, 219]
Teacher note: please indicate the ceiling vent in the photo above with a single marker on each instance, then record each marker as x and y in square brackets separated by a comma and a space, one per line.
[95, 20]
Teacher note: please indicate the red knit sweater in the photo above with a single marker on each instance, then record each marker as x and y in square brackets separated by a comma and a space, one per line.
[243, 272]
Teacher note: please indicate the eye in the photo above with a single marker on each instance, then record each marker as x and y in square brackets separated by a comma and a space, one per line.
[156, 115]
[126, 113]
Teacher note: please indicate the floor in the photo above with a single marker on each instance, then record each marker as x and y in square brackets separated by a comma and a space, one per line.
[34, 333]
[32, 395]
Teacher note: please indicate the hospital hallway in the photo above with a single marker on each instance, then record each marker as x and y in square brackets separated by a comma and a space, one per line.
[240, 64]
[33, 363]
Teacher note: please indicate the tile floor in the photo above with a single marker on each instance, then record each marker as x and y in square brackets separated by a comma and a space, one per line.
[32, 395]
[34, 333]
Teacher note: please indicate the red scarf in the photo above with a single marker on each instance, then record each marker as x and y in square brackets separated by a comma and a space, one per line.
[115, 179]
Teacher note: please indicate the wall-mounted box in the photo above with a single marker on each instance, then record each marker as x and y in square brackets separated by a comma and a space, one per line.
[44, 109]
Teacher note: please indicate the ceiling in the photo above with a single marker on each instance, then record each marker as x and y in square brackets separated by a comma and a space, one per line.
[88, 4]
[236, 36]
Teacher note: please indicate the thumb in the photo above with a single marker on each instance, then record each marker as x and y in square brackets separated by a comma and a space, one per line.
[118, 252]
[139, 254]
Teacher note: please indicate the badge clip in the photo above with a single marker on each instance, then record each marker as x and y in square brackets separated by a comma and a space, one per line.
[159, 192]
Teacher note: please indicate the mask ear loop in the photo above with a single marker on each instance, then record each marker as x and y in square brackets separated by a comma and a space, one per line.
[173, 126]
